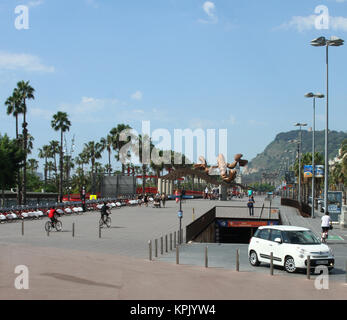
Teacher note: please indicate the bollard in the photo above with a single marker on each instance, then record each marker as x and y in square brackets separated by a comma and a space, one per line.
[237, 260]
[178, 237]
[161, 245]
[73, 229]
[47, 232]
[177, 255]
[99, 232]
[156, 248]
[206, 257]
[271, 263]
[166, 246]
[308, 270]
[181, 238]
[170, 241]
[150, 249]
[346, 271]
[193, 215]
[175, 239]
[22, 227]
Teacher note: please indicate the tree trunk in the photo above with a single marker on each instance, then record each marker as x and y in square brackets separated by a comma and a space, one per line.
[25, 132]
[109, 162]
[61, 168]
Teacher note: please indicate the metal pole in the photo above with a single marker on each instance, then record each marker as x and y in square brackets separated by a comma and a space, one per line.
[237, 260]
[313, 152]
[175, 239]
[177, 255]
[156, 248]
[206, 257]
[161, 245]
[170, 241]
[73, 229]
[180, 241]
[22, 227]
[271, 263]
[308, 271]
[99, 231]
[166, 246]
[150, 250]
[300, 147]
[326, 167]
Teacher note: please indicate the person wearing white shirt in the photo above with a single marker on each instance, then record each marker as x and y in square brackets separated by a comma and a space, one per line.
[326, 222]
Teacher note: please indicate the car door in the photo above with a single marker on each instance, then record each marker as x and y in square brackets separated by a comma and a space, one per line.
[275, 247]
[263, 245]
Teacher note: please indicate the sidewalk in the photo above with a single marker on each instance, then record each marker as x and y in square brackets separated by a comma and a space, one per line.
[70, 274]
[290, 216]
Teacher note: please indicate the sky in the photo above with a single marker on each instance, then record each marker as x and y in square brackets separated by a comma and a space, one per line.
[238, 65]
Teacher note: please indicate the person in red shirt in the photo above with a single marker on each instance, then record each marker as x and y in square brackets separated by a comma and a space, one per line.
[51, 214]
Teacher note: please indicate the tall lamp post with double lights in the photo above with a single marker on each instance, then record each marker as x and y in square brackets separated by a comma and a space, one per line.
[314, 96]
[323, 42]
[299, 151]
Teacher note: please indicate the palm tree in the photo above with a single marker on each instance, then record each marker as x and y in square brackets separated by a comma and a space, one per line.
[61, 123]
[93, 151]
[54, 150]
[14, 107]
[32, 165]
[25, 92]
[45, 153]
[50, 168]
[107, 143]
[117, 144]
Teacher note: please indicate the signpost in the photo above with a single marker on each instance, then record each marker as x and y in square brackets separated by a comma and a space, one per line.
[334, 204]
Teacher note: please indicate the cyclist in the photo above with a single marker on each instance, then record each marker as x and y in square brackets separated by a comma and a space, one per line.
[326, 223]
[51, 214]
[105, 212]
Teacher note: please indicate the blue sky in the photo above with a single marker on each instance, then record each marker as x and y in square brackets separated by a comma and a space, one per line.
[241, 65]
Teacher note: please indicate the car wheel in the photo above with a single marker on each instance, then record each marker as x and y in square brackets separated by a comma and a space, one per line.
[289, 264]
[253, 259]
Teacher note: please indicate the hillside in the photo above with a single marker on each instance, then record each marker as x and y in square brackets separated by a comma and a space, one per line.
[276, 153]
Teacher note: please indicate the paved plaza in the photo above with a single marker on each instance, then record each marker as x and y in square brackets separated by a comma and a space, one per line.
[116, 266]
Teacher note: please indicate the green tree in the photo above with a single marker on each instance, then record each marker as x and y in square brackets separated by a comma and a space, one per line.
[117, 144]
[107, 143]
[61, 123]
[11, 160]
[93, 151]
[45, 153]
[25, 92]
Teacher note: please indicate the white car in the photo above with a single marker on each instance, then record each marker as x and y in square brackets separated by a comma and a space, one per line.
[290, 247]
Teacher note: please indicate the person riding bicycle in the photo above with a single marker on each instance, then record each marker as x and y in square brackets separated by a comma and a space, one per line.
[326, 224]
[52, 215]
[105, 212]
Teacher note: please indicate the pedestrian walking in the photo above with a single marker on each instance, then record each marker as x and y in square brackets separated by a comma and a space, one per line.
[163, 199]
[250, 205]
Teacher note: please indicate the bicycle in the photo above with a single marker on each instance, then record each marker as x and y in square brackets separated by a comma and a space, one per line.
[324, 237]
[57, 225]
[102, 222]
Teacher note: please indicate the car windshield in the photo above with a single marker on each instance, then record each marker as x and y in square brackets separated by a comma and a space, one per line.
[300, 237]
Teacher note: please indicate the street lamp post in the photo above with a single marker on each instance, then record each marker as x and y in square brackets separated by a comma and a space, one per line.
[299, 151]
[314, 96]
[323, 42]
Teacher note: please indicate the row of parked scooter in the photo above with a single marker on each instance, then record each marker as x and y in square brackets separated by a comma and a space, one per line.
[8, 215]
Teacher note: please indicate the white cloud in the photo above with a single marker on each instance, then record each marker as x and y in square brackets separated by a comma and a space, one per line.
[22, 61]
[41, 113]
[210, 10]
[35, 3]
[137, 95]
[305, 23]
[92, 3]
[88, 106]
